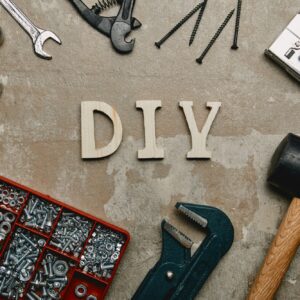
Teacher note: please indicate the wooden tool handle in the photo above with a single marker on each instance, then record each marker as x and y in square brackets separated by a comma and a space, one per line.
[279, 257]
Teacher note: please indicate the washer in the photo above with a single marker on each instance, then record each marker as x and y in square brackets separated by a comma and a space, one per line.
[9, 217]
[80, 290]
[60, 268]
[91, 297]
[5, 227]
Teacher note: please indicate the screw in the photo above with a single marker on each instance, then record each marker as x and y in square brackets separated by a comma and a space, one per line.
[178, 25]
[237, 25]
[215, 37]
[196, 27]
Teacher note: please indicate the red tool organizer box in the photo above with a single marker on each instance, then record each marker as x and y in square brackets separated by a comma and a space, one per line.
[73, 269]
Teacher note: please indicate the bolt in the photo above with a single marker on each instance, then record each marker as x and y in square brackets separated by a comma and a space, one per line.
[178, 25]
[28, 240]
[215, 37]
[237, 25]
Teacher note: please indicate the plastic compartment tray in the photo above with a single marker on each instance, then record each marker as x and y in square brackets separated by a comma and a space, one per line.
[98, 239]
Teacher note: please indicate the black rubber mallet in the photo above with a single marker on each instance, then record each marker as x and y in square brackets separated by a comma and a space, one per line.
[285, 175]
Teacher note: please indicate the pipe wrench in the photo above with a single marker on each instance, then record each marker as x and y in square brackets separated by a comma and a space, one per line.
[179, 275]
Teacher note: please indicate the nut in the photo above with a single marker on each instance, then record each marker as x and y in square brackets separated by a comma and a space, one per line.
[91, 297]
[80, 290]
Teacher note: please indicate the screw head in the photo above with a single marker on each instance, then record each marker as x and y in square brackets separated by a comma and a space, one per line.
[157, 45]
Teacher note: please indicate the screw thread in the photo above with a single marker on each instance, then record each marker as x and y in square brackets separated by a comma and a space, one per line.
[196, 27]
[178, 25]
[237, 25]
[215, 37]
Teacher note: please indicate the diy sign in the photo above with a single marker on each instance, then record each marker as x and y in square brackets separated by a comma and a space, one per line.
[151, 150]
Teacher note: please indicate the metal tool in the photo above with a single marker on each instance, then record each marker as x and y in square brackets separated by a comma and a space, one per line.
[38, 35]
[285, 49]
[179, 275]
[285, 175]
[122, 27]
[116, 28]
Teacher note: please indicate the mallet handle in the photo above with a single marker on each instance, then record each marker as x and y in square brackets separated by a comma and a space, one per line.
[279, 257]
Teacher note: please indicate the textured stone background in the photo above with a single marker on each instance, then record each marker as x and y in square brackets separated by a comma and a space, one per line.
[40, 128]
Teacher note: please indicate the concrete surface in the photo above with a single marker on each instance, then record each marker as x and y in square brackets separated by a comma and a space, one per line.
[40, 128]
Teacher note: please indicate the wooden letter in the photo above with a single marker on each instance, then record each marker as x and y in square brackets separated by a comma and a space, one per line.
[88, 129]
[199, 138]
[151, 151]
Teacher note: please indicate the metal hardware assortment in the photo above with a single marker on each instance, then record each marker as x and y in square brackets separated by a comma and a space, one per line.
[102, 252]
[38, 35]
[116, 28]
[71, 233]
[19, 263]
[6, 220]
[11, 197]
[179, 274]
[215, 37]
[237, 25]
[178, 25]
[42, 243]
[197, 24]
[51, 279]
[39, 214]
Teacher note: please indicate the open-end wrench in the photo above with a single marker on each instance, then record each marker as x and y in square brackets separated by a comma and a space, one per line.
[122, 27]
[39, 36]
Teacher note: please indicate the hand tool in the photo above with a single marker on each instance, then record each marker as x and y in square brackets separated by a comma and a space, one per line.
[215, 37]
[178, 25]
[39, 36]
[179, 275]
[122, 27]
[284, 48]
[284, 174]
[124, 23]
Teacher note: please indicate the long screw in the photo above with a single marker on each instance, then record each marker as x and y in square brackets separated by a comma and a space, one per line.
[237, 26]
[196, 27]
[215, 37]
[178, 25]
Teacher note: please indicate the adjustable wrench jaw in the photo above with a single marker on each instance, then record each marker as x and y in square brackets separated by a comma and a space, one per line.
[122, 27]
[179, 275]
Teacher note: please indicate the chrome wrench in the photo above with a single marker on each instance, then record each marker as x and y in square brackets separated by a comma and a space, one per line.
[38, 35]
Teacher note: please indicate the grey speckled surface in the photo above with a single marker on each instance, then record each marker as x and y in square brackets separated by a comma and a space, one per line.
[40, 128]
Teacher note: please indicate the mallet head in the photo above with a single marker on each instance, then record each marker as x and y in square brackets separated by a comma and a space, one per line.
[285, 167]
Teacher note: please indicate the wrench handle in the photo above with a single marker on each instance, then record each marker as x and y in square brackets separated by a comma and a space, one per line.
[279, 257]
[22, 19]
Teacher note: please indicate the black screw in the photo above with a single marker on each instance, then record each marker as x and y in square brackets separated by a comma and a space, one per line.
[196, 27]
[215, 37]
[178, 25]
[237, 25]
